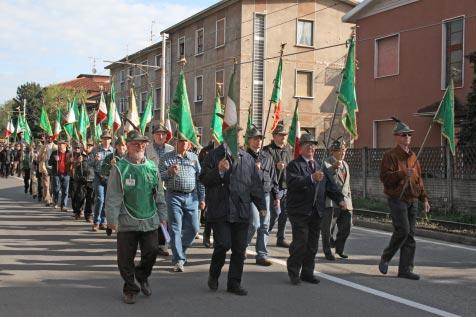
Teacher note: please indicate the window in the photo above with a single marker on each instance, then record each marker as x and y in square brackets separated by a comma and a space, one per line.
[304, 84]
[143, 102]
[305, 33]
[198, 89]
[158, 92]
[199, 41]
[130, 72]
[220, 33]
[219, 79]
[453, 41]
[121, 76]
[181, 47]
[158, 61]
[386, 59]
[312, 131]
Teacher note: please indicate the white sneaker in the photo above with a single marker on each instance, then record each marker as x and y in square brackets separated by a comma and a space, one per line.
[178, 267]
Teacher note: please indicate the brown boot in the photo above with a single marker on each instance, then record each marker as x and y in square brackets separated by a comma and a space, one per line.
[263, 262]
[95, 228]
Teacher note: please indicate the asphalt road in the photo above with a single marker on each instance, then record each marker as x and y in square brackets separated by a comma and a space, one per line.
[52, 265]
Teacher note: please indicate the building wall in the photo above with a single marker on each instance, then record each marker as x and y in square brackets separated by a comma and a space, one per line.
[207, 63]
[142, 84]
[418, 83]
[280, 24]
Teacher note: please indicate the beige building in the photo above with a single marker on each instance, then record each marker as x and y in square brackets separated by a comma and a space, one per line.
[252, 32]
[141, 70]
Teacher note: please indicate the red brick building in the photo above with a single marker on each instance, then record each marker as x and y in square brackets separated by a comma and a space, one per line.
[406, 51]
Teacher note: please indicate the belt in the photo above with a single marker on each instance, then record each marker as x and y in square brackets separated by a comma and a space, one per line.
[181, 192]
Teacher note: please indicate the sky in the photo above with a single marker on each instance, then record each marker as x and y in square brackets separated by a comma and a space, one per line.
[50, 41]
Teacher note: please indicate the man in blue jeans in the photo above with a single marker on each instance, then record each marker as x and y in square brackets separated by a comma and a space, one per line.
[267, 173]
[100, 183]
[60, 162]
[179, 170]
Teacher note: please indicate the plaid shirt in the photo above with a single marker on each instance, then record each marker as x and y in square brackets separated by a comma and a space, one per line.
[187, 178]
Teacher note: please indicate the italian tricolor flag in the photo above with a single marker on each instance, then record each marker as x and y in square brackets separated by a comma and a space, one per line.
[276, 96]
[230, 119]
[294, 135]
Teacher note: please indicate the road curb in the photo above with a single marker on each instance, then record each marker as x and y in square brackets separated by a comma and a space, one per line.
[449, 237]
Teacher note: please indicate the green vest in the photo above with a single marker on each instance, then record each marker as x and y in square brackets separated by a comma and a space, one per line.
[139, 184]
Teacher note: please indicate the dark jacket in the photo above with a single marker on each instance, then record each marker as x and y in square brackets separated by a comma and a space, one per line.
[284, 154]
[53, 163]
[267, 172]
[82, 171]
[301, 199]
[229, 197]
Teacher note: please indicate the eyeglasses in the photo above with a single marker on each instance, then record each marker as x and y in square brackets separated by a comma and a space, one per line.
[405, 134]
[138, 144]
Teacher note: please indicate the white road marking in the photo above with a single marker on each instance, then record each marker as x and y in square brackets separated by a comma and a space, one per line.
[373, 291]
[420, 239]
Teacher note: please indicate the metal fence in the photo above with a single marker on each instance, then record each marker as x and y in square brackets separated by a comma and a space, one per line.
[449, 180]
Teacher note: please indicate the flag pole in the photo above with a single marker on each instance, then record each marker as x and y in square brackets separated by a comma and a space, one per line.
[281, 52]
[423, 143]
[326, 142]
[328, 139]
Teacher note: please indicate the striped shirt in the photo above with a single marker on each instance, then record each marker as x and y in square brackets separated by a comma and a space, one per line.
[187, 178]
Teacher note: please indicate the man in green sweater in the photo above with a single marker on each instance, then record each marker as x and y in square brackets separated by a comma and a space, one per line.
[135, 207]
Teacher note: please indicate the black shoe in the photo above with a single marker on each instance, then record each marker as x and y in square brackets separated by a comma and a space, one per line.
[212, 283]
[310, 279]
[163, 252]
[237, 290]
[342, 255]
[145, 288]
[282, 244]
[263, 262]
[129, 298]
[383, 267]
[294, 280]
[206, 241]
[330, 257]
[409, 275]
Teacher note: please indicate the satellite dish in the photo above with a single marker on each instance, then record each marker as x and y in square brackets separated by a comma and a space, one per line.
[94, 70]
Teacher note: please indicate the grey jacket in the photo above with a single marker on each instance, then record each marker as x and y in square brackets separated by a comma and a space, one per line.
[342, 184]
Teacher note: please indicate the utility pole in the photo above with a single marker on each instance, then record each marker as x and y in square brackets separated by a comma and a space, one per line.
[24, 108]
[162, 79]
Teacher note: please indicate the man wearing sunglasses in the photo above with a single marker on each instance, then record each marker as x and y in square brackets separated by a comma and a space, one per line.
[400, 174]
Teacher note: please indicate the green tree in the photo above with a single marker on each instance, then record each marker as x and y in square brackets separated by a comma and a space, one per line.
[5, 113]
[57, 97]
[33, 94]
[468, 127]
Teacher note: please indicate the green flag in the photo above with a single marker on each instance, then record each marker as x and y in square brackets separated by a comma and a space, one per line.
[276, 96]
[45, 122]
[97, 131]
[446, 116]
[23, 124]
[347, 95]
[217, 121]
[249, 124]
[147, 115]
[83, 124]
[180, 112]
[230, 119]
